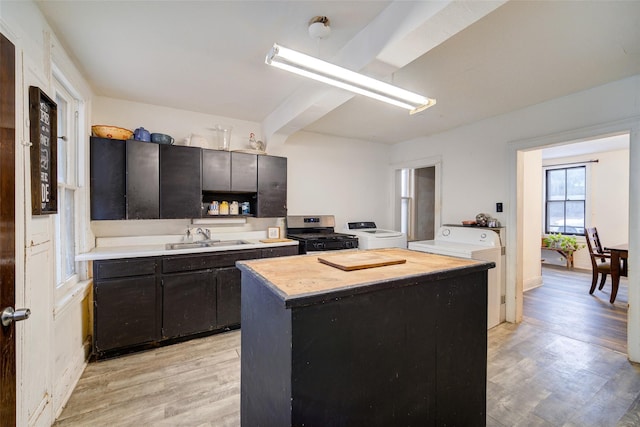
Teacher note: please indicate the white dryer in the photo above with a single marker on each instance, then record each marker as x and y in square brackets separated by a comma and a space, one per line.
[371, 237]
[471, 243]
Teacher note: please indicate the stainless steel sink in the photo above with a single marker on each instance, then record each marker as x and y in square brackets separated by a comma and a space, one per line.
[204, 244]
[229, 243]
[189, 245]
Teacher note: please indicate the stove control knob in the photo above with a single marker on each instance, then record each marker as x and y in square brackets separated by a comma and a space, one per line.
[318, 245]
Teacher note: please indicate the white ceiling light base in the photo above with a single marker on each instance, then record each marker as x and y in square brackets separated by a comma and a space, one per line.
[316, 69]
[319, 27]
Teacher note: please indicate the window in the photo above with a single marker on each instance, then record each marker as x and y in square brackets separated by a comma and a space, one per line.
[406, 201]
[565, 200]
[66, 219]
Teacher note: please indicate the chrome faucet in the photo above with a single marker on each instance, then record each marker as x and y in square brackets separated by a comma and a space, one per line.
[205, 232]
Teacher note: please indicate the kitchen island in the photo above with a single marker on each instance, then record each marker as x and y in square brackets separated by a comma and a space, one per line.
[401, 344]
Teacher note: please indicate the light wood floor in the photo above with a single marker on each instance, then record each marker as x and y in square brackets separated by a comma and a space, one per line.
[564, 365]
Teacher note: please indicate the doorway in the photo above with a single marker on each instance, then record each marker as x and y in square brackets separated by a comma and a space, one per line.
[416, 205]
[523, 247]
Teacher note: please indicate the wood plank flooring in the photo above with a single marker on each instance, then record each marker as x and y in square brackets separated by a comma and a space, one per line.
[563, 305]
[562, 366]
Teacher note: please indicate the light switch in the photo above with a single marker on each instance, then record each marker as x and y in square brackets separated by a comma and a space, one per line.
[499, 207]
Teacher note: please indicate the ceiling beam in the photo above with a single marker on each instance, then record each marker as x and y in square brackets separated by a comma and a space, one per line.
[401, 33]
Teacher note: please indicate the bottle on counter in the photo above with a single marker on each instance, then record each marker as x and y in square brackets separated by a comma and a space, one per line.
[214, 208]
[224, 208]
[245, 208]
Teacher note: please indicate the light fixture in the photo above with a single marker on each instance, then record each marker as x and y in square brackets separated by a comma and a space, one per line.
[317, 69]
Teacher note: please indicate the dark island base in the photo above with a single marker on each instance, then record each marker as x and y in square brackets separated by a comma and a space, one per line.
[411, 354]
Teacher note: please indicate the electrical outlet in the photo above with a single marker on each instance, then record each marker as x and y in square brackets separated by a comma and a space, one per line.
[499, 207]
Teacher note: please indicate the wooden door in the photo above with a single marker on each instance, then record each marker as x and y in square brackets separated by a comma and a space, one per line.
[7, 230]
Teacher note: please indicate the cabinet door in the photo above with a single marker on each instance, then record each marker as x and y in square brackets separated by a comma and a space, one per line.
[216, 170]
[125, 312]
[272, 187]
[143, 171]
[108, 167]
[180, 182]
[189, 303]
[228, 284]
[244, 172]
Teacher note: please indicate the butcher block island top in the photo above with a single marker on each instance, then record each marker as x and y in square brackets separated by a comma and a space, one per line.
[307, 279]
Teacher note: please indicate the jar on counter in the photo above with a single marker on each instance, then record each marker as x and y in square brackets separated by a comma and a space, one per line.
[224, 208]
[214, 208]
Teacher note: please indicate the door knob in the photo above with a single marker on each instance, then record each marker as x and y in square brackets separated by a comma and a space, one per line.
[9, 315]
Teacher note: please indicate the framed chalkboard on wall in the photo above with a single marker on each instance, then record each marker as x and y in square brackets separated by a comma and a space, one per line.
[43, 132]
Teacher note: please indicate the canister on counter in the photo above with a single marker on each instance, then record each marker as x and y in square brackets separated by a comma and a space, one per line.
[233, 208]
[214, 208]
[245, 208]
[224, 208]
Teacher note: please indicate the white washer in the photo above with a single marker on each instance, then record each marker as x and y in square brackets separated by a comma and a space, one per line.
[471, 243]
[371, 237]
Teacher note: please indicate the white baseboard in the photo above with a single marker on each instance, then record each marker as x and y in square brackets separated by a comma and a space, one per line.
[67, 383]
[532, 283]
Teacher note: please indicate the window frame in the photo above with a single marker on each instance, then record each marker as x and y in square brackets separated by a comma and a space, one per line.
[545, 199]
[65, 286]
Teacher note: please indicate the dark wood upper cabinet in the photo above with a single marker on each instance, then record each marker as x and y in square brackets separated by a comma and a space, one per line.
[180, 182]
[142, 180]
[216, 170]
[107, 181]
[244, 172]
[272, 186]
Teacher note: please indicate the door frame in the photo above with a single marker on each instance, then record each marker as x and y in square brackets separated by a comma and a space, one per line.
[426, 162]
[514, 291]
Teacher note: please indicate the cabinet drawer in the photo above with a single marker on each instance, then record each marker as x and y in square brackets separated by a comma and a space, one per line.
[173, 264]
[124, 268]
[279, 251]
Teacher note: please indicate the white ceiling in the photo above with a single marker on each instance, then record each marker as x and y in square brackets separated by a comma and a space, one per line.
[478, 58]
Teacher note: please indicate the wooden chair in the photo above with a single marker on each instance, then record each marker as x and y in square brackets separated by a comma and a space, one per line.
[600, 259]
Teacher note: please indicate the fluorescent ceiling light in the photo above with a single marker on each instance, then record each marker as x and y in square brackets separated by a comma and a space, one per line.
[325, 72]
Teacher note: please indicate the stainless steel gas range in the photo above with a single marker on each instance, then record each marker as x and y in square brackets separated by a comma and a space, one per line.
[316, 233]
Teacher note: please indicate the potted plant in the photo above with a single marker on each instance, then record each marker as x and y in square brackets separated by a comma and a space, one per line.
[568, 244]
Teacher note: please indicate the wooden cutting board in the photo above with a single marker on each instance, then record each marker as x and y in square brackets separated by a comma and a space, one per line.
[275, 240]
[360, 260]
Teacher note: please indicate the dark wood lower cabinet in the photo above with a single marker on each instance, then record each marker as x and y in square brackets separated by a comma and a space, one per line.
[126, 298]
[142, 302]
[188, 303]
[228, 292]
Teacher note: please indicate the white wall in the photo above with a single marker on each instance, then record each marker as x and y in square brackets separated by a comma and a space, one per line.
[343, 177]
[532, 216]
[177, 123]
[52, 344]
[479, 163]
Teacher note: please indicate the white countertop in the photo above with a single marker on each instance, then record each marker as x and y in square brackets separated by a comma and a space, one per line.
[159, 249]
